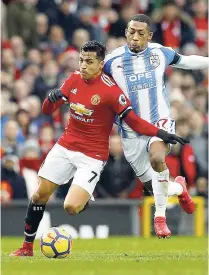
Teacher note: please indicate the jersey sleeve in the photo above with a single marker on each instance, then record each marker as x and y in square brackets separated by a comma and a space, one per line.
[107, 64]
[67, 85]
[118, 102]
[169, 54]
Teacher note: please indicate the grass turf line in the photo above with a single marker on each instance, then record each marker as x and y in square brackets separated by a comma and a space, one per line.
[113, 256]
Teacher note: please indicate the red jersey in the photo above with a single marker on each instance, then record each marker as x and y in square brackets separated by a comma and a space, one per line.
[93, 105]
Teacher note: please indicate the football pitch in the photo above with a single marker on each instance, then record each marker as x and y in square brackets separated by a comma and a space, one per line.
[113, 256]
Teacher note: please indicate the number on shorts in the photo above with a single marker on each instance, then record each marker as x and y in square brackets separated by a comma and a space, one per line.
[94, 176]
[162, 122]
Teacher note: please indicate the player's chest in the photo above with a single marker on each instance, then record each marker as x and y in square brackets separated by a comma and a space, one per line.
[86, 101]
[137, 73]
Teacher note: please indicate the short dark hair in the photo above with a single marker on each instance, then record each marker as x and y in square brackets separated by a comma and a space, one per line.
[95, 46]
[166, 3]
[142, 18]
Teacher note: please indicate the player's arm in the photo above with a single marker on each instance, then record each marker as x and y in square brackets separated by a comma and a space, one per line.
[57, 97]
[143, 127]
[190, 62]
[48, 107]
[122, 106]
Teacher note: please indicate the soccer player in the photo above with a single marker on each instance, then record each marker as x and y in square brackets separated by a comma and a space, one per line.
[82, 151]
[138, 68]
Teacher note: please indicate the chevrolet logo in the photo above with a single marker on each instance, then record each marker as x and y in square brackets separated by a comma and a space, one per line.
[80, 109]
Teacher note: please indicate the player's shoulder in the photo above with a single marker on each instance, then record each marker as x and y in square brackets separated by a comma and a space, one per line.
[159, 46]
[152, 45]
[75, 75]
[108, 81]
[115, 53]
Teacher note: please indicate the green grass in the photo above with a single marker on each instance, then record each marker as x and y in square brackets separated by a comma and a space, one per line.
[114, 256]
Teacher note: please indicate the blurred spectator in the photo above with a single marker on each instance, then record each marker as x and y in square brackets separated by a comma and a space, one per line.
[111, 44]
[21, 91]
[50, 8]
[30, 150]
[13, 185]
[3, 21]
[34, 57]
[47, 80]
[46, 139]
[199, 142]
[117, 29]
[21, 21]
[188, 87]
[8, 64]
[57, 42]
[80, 37]
[201, 101]
[29, 74]
[200, 11]
[85, 22]
[68, 62]
[67, 20]
[173, 28]
[118, 178]
[33, 105]
[42, 28]
[23, 119]
[47, 55]
[6, 80]
[12, 138]
[18, 48]
[104, 15]
[175, 80]
[181, 159]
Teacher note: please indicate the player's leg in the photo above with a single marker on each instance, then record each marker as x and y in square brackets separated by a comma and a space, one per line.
[160, 180]
[76, 199]
[138, 157]
[162, 187]
[56, 170]
[34, 215]
[83, 185]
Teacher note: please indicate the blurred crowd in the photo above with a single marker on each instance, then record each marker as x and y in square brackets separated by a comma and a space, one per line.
[40, 43]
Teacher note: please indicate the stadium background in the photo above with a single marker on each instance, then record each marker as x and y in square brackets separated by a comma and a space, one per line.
[40, 43]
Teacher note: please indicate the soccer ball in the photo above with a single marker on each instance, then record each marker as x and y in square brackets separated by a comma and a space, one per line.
[56, 243]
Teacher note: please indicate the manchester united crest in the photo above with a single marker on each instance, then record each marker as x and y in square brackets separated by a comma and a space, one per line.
[154, 60]
[95, 99]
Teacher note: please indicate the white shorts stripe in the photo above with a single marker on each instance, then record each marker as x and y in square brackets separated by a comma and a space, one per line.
[30, 235]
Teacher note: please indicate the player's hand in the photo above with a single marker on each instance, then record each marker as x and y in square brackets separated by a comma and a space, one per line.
[55, 95]
[171, 138]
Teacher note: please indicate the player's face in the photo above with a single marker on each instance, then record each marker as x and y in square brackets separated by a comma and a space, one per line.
[90, 65]
[138, 35]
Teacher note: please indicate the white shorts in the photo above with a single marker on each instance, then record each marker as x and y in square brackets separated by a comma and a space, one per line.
[136, 150]
[62, 164]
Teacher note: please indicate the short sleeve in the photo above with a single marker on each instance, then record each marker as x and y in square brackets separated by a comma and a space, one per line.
[107, 65]
[169, 54]
[66, 86]
[118, 101]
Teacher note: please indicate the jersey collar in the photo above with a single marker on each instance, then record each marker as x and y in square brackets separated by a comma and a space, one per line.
[92, 80]
[135, 54]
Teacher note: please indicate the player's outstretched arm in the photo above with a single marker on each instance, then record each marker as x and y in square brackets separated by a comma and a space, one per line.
[143, 127]
[192, 62]
[54, 100]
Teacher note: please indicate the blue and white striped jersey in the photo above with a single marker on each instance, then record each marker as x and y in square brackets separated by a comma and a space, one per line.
[141, 77]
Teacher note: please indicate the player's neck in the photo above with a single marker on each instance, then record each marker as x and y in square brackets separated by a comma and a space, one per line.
[93, 78]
